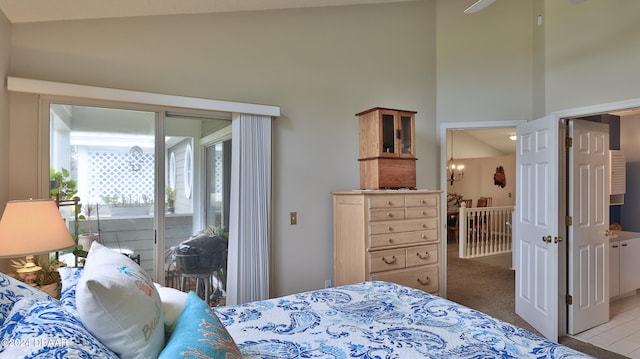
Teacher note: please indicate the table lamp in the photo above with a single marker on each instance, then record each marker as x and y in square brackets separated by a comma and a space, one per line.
[29, 228]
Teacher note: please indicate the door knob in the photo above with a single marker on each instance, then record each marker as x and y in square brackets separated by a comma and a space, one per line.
[547, 239]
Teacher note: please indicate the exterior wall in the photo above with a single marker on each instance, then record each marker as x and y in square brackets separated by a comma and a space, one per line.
[321, 65]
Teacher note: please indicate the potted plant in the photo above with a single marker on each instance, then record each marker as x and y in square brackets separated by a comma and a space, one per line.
[87, 238]
[61, 187]
[453, 200]
[128, 206]
[171, 199]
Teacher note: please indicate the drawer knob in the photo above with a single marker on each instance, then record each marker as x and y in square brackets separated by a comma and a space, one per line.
[427, 281]
[423, 236]
[389, 203]
[423, 213]
[389, 214]
[390, 240]
[389, 229]
[389, 261]
[424, 225]
[423, 256]
[423, 201]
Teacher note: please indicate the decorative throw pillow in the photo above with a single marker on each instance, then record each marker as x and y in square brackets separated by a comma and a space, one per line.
[43, 329]
[69, 281]
[199, 334]
[12, 290]
[172, 304]
[119, 304]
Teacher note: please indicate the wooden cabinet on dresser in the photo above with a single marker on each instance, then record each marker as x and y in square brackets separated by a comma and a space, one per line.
[390, 235]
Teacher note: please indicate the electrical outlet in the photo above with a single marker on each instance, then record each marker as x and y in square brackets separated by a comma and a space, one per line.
[327, 283]
[293, 218]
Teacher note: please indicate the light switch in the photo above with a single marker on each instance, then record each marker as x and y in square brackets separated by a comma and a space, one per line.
[293, 218]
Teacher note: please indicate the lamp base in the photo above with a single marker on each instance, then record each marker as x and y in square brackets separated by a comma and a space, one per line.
[29, 272]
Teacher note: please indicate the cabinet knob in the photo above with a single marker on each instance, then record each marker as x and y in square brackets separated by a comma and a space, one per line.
[423, 201]
[424, 225]
[389, 214]
[423, 212]
[423, 236]
[389, 202]
[389, 229]
[423, 256]
[426, 281]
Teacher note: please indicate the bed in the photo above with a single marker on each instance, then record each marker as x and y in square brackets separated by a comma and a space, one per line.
[111, 309]
[377, 320]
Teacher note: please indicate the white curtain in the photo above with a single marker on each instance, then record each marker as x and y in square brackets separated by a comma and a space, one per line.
[250, 209]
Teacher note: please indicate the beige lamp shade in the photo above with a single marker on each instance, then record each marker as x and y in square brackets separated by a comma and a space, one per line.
[32, 227]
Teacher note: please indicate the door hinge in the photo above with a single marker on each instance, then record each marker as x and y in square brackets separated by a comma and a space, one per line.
[568, 220]
[568, 142]
[569, 299]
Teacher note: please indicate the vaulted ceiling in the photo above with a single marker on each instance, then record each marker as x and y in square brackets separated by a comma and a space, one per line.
[18, 11]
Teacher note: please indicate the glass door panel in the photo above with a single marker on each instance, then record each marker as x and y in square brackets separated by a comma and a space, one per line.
[197, 202]
[388, 133]
[405, 134]
[110, 153]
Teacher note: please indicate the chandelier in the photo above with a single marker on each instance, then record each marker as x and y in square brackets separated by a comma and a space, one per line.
[455, 172]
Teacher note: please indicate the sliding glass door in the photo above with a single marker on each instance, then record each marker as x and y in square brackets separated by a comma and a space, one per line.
[143, 196]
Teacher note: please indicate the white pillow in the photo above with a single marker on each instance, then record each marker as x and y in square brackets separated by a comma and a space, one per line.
[172, 304]
[119, 304]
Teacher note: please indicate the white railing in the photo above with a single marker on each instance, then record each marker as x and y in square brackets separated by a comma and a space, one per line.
[484, 231]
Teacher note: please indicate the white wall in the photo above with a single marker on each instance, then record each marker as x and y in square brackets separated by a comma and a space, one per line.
[592, 52]
[484, 62]
[322, 66]
[478, 180]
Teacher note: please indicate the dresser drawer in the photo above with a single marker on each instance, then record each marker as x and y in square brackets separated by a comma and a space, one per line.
[386, 214]
[421, 212]
[423, 278]
[399, 239]
[386, 202]
[422, 255]
[403, 226]
[387, 260]
[421, 200]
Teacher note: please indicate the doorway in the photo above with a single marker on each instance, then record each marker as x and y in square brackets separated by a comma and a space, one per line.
[475, 144]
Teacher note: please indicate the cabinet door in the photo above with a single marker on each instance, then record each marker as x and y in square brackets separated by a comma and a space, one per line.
[405, 134]
[614, 269]
[629, 265]
[389, 126]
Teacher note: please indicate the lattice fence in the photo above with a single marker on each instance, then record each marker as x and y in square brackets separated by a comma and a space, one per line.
[120, 174]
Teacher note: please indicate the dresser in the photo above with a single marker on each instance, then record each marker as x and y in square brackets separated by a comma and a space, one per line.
[388, 235]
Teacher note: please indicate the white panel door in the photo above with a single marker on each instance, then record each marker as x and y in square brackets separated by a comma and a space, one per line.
[588, 207]
[536, 224]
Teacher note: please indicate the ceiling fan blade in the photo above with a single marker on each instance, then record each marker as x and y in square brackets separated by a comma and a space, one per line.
[478, 5]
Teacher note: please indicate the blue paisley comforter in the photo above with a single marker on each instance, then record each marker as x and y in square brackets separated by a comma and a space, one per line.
[377, 320]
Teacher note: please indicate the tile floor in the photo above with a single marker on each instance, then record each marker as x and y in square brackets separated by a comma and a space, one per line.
[622, 333]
